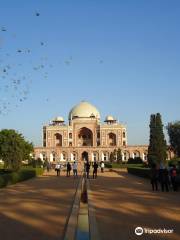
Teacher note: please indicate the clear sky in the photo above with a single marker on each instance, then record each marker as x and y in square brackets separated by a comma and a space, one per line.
[122, 56]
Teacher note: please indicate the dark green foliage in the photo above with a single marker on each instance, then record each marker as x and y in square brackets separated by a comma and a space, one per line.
[157, 150]
[14, 149]
[21, 175]
[123, 165]
[174, 161]
[136, 160]
[174, 136]
[139, 171]
[119, 156]
[4, 171]
[108, 165]
[116, 155]
[126, 165]
[112, 157]
[35, 163]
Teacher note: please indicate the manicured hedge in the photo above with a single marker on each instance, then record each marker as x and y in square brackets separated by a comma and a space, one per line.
[126, 165]
[140, 172]
[108, 165]
[21, 175]
[122, 165]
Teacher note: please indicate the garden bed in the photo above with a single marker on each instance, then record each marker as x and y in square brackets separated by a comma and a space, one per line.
[139, 171]
[7, 178]
[122, 165]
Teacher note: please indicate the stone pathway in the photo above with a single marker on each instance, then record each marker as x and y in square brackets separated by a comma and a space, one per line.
[36, 209]
[123, 202]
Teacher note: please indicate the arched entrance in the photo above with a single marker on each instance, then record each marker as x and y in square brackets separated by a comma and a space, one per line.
[112, 139]
[85, 156]
[85, 137]
[58, 140]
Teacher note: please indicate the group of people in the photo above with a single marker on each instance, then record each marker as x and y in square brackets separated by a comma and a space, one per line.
[166, 177]
[69, 167]
[87, 166]
[74, 167]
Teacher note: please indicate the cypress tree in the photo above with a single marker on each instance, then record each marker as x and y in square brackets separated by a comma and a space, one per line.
[174, 136]
[157, 150]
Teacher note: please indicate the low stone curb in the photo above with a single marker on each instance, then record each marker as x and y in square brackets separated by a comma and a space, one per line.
[70, 232]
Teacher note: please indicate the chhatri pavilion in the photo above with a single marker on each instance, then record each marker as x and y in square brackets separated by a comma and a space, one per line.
[86, 137]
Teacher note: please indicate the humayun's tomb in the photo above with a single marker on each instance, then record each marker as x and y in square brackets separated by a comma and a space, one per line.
[86, 137]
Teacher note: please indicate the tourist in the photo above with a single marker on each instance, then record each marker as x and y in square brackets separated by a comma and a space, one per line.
[48, 166]
[102, 166]
[58, 168]
[74, 166]
[95, 167]
[174, 178]
[87, 169]
[68, 170]
[154, 178]
[164, 179]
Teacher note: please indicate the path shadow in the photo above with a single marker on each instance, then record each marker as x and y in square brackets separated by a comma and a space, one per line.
[123, 202]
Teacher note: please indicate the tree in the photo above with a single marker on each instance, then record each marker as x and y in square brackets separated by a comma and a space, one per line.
[119, 156]
[157, 150]
[136, 160]
[174, 136]
[14, 148]
[113, 156]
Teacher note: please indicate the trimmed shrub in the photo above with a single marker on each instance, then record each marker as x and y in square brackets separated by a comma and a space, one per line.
[126, 165]
[136, 160]
[108, 165]
[21, 175]
[5, 171]
[174, 161]
[139, 171]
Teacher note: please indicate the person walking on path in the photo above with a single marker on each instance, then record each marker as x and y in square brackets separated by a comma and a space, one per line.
[87, 168]
[58, 169]
[173, 178]
[102, 166]
[74, 166]
[164, 179]
[95, 167]
[154, 178]
[68, 170]
[48, 166]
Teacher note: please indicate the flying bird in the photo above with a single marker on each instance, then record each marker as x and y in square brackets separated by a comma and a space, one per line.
[3, 29]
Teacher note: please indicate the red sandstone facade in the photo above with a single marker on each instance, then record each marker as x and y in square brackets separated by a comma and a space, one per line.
[85, 137]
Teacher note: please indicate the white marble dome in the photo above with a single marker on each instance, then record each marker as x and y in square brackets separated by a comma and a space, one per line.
[84, 110]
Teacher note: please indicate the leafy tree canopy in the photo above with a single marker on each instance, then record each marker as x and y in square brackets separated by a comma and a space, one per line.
[14, 148]
[119, 156]
[174, 136]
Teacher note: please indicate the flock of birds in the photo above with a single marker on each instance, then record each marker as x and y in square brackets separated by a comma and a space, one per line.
[16, 78]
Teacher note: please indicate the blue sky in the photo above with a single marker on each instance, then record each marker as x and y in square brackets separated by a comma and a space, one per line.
[122, 56]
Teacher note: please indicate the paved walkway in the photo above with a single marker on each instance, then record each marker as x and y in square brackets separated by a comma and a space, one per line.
[36, 209]
[122, 202]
